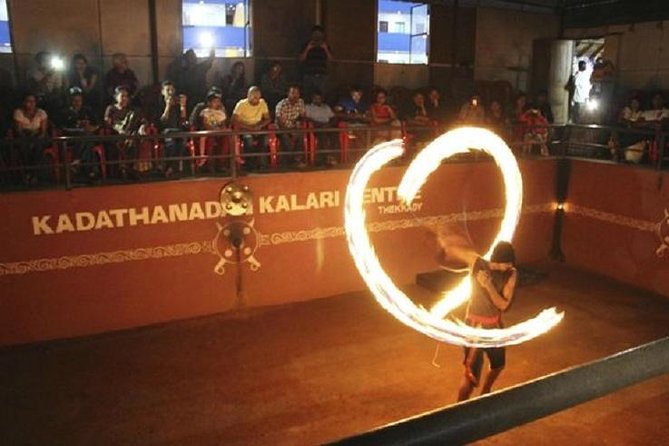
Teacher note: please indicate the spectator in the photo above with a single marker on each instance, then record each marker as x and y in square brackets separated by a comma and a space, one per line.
[418, 118]
[120, 119]
[496, 119]
[274, 85]
[657, 115]
[46, 81]
[353, 109]
[581, 92]
[213, 117]
[382, 114]
[79, 119]
[173, 118]
[235, 87]
[472, 112]
[631, 113]
[434, 106]
[519, 106]
[322, 116]
[120, 76]
[315, 57]
[196, 113]
[252, 114]
[289, 112]
[30, 122]
[189, 75]
[535, 131]
[85, 77]
[544, 106]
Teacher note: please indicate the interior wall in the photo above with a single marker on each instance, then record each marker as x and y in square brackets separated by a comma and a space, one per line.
[619, 228]
[504, 44]
[104, 268]
[639, 52]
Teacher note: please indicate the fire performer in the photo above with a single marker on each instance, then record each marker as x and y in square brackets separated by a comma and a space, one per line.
[493, 286]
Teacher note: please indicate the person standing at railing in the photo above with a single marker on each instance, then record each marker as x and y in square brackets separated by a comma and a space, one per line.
[581, 87]
[289, 114]
[173, 118]
[493, 287]
[252, 114]
[120, 119]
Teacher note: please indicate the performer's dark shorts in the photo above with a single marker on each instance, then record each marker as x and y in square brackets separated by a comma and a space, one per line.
[496, 356]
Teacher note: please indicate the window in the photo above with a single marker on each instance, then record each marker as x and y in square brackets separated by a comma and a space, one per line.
[5, 38]
[407, 39]
[219, 24]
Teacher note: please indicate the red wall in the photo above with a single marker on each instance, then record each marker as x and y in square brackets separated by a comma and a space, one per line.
[612, 217]
[85, 282]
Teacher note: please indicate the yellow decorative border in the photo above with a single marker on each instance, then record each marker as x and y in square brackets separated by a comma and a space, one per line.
[104, 258]
[641, 225]
[277, 238]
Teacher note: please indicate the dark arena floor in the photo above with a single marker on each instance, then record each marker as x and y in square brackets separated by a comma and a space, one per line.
[318, 371]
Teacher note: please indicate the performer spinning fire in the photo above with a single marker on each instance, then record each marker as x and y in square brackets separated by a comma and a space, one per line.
[494, 283]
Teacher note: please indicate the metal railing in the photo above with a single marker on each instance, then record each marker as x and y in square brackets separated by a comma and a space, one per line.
[586, 141]
[497, 412]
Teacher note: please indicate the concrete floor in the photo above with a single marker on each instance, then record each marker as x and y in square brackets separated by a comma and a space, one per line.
[319, 371]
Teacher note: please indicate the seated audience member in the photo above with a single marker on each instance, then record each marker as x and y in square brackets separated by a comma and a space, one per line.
[173, 118]
[120, 119]
[382, 114]
[472, 112]
[633, 144]
[30, 122]
[631, 113]
[195, 117]
[535, 131]
[322, 116]
[212, 117]
[120, 76]
[46, 82]
[289, 112]
[541, 103]
[657, 115]
[353, 109]
[436, 109]
[79, 119]
[418, 117]
[496, 119]
[520, 106]
[273, 85]
[85, 77]
[235, 87]
[251, 114]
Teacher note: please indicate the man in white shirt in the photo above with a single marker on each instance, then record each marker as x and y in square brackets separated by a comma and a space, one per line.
[582, 88]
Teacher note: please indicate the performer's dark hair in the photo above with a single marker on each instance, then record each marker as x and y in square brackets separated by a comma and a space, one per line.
[503, 253]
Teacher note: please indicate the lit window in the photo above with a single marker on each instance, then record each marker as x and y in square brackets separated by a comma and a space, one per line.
[219, 24]
[404, 31]
[5, 37]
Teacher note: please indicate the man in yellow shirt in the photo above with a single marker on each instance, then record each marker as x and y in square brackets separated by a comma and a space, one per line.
[251, 114]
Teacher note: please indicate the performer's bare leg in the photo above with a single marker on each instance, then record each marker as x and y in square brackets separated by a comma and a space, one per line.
[466, 389]
[490, 379]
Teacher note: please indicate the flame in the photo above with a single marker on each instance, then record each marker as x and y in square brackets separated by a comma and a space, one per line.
[391, 298]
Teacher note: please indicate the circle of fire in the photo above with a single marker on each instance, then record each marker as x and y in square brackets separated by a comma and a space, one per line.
[432, 322]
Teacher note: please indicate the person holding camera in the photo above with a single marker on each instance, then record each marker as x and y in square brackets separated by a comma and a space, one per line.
[173, 118]
[315, 56]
